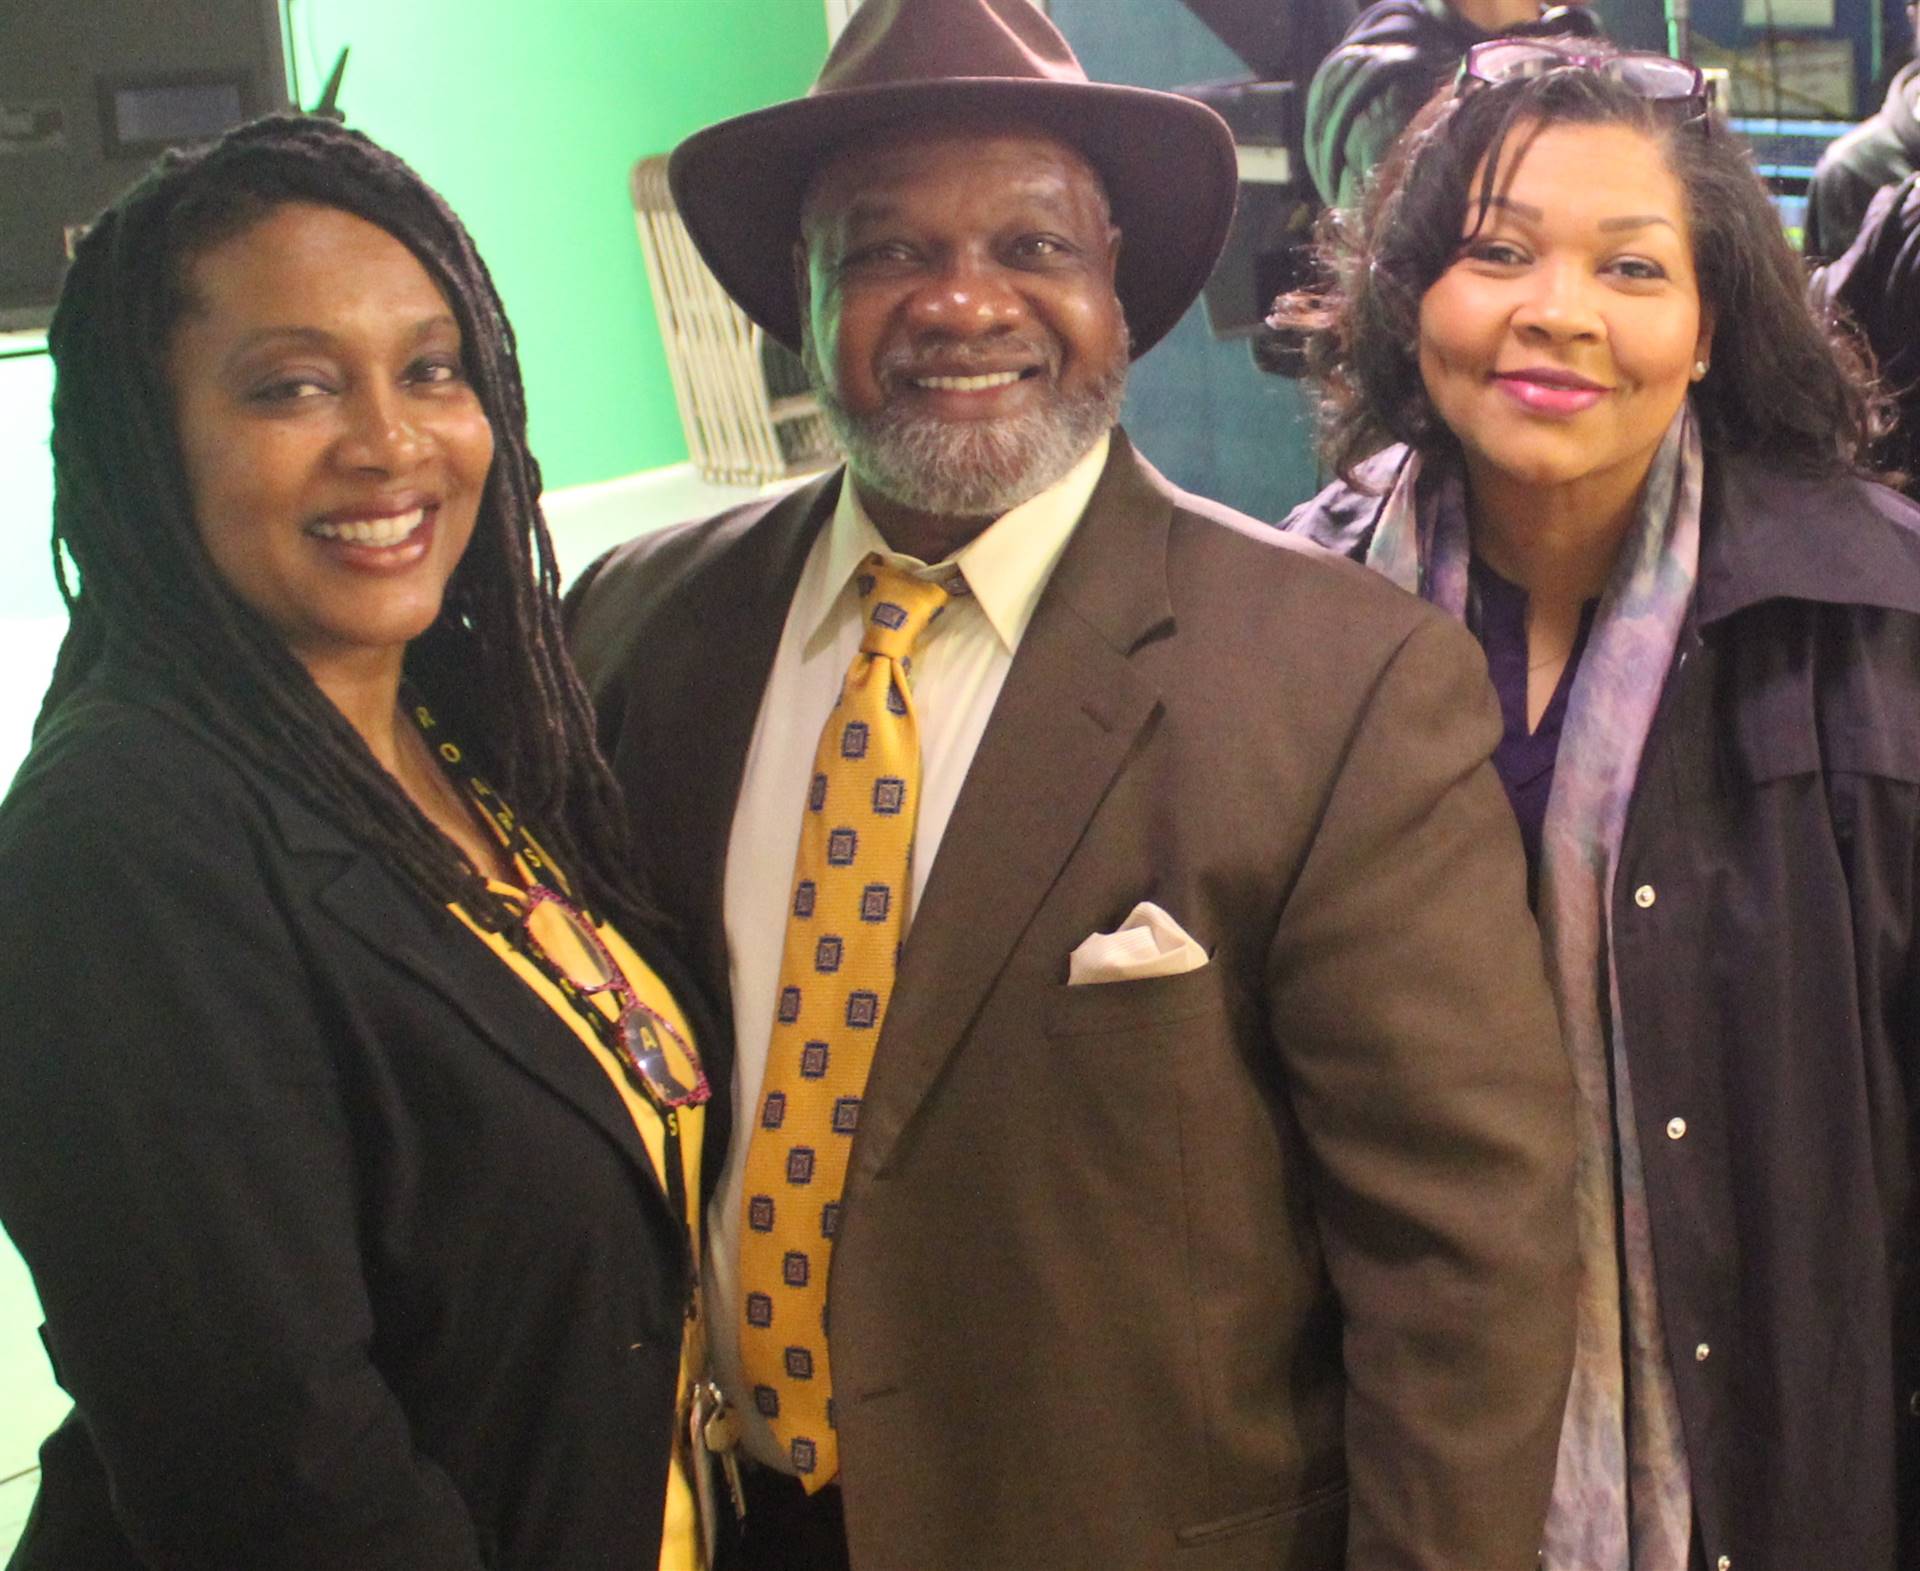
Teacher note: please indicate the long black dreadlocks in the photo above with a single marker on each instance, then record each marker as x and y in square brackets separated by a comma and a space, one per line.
[494, 661]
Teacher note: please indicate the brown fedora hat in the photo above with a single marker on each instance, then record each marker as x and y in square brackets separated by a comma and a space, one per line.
[1168, 162]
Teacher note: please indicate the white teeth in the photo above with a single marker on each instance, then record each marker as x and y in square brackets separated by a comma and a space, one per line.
[371, 531]
[967, 384]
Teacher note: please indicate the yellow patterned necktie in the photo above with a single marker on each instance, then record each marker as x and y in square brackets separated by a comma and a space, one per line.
[836, 976]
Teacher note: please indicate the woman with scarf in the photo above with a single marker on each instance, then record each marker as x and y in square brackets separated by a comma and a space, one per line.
[1575, 398]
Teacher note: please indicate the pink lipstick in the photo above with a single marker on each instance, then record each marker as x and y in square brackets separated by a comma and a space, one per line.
[1547, 390]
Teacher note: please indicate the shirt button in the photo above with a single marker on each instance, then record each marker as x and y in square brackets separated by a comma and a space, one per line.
[1644, 896]
[1701, 1352]
[1676, 1128]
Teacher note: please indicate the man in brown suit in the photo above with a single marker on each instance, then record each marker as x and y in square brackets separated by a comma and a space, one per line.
[1207, 1198]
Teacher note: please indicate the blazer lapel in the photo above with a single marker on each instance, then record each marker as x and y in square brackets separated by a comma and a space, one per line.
[1067, 718]
[440, 954]
[495, 1003]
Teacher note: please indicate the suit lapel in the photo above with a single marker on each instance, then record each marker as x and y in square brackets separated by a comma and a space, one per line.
[710, 698]
[1067, 718]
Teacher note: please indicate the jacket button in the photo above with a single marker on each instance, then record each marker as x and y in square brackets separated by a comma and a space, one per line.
[1644, 896]
[1913, 1404]
[1676, 1128]
[1701, 1353]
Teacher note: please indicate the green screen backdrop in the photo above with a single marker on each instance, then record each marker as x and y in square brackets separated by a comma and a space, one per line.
[528, 116]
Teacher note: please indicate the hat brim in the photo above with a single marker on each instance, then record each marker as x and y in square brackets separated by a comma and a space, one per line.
[1168, 164]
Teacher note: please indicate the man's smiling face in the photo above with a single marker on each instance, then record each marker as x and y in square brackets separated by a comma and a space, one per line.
[961, 320]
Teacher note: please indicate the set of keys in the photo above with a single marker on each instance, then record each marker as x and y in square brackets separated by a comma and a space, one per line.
[714, 1427]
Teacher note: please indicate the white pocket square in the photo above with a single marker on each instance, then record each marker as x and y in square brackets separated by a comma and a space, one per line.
[1149, 943]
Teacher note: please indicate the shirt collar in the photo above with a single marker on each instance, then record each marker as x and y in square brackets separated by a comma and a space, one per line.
[1006, 565]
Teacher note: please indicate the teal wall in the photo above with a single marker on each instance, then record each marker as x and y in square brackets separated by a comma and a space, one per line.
[528, 117]
[1197, 406]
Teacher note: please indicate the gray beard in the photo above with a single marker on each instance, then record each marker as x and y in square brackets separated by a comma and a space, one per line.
[970, 468]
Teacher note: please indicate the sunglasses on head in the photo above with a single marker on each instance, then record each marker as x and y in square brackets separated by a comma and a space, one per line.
[1659, 79]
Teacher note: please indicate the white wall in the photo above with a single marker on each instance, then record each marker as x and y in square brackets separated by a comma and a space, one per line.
[30, 624]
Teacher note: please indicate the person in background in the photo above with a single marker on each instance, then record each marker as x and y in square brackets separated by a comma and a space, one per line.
[1154, 1140]
[1393, 57]
[1876, 281]
[1880, 151]
[1578, 400]
[354, 1152]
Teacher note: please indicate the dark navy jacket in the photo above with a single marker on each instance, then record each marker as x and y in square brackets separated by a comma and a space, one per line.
[1765, 920]
[1877, 281]
[1880, 151]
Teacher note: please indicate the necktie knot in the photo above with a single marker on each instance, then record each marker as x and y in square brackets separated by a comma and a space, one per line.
[895, 608]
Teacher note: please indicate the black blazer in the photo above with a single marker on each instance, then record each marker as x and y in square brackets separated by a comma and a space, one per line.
[350, 1254]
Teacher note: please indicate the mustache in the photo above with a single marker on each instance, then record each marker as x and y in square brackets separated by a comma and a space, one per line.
[967, 357]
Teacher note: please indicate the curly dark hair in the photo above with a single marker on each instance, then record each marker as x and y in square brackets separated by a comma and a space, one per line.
[143, 586]
[1786, 380]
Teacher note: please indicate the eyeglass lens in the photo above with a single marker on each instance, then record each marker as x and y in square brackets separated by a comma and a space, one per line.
[1656, 78]
[662, 1059]
[1515, 61]
[1649, 76]
[574, 949]
[579, 954]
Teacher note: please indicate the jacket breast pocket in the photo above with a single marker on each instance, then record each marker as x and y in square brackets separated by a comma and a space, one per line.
[1100, 1007]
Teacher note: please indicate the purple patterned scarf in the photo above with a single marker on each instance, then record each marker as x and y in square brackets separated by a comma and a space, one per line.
[1622, 1499]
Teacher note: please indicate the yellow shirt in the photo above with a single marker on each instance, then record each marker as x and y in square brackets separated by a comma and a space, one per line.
[680, 1545]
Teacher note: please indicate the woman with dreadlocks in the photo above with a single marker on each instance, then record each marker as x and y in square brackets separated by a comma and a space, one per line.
[355, 1154]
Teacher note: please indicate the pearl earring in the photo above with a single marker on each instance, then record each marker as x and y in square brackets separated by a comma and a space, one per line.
[1699, 369]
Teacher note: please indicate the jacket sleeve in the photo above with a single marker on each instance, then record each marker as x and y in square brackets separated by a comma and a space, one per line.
[1371, 132]
[181, 1174]
[1355, 109]
[1837, 200]
[1423, 1051]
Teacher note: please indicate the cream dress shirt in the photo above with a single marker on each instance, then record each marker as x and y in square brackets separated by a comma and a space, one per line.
[957, 673]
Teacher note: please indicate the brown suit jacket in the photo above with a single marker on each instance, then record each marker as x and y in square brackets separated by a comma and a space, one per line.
[1265, 1265]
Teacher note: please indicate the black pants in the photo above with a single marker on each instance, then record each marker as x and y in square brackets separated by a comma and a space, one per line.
[786, 1528]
